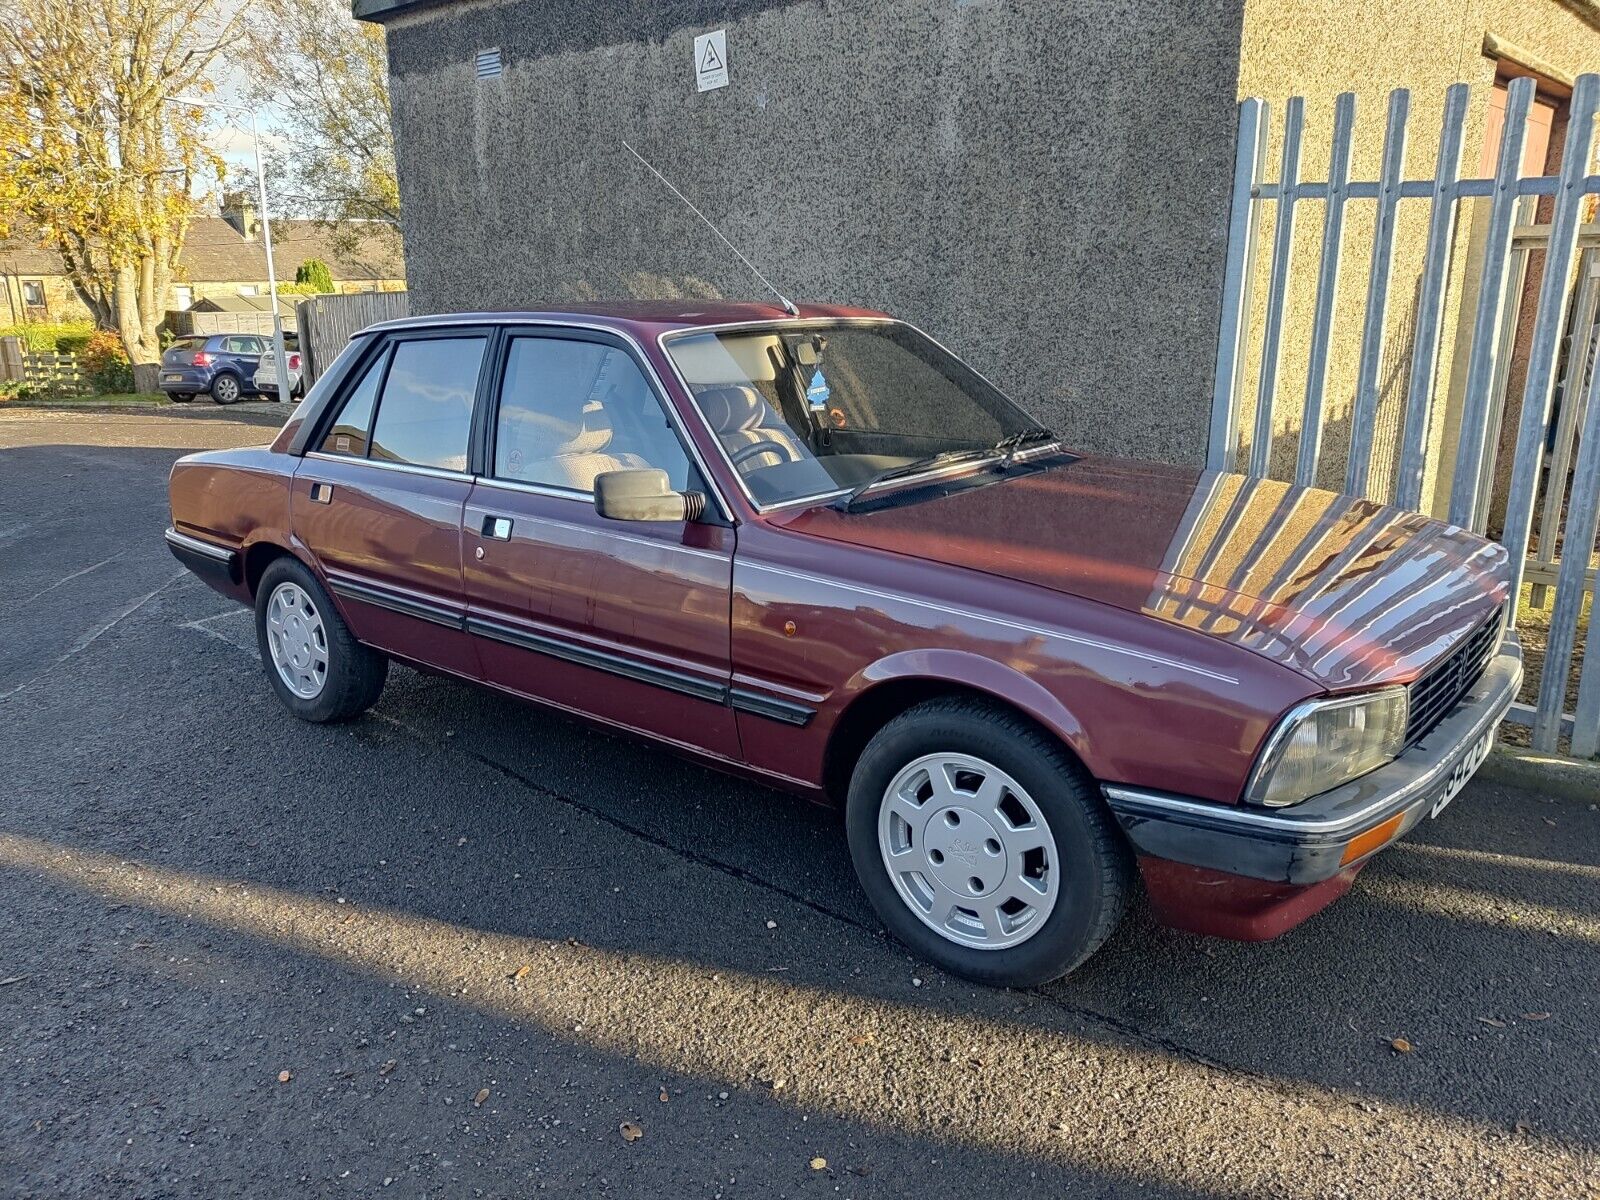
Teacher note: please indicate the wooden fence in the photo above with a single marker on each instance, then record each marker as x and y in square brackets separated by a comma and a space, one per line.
[327, 323]
[52, 374]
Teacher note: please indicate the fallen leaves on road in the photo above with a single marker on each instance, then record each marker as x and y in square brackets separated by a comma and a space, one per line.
[521, 973]
[1492, 1021]
[284, 1077]
[483, 1094]
[9, 980]
[1536, 1016]
[1400, 1045]
[388, 1067]
[664, 1096]
[819, 1163]
[630, 1132]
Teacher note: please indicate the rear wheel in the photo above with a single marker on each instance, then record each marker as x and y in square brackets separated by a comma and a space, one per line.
[225, 388]
[320, 672]
[984, 845]
[179, 397]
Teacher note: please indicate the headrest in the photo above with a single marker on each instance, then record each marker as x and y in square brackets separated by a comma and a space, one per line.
[730, 409]
[592, 435]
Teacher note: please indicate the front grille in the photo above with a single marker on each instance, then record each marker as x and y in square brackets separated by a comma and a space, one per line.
[1437, 692]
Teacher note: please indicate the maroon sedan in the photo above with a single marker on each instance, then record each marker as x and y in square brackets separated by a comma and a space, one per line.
[823, 552]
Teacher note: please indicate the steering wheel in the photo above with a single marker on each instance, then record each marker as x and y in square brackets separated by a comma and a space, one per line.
[765, 446]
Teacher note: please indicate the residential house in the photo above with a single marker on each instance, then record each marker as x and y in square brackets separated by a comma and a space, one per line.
[223, 257]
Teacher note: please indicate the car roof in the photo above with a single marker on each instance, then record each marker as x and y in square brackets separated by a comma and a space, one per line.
[645, 318]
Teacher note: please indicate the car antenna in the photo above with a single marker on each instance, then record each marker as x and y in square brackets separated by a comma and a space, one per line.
[786, 302]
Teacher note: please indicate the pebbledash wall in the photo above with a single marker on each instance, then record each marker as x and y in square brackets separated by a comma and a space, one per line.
[1041, 184]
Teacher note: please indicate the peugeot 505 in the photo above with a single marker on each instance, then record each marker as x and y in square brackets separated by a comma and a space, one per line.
[819, 550]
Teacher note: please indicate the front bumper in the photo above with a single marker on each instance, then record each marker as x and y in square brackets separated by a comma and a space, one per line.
[1327, 836]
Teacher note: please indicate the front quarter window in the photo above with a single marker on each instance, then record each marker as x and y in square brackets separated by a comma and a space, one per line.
[810, 409]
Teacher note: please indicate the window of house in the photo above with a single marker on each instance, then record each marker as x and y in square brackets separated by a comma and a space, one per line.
[33, 293]
[349, 432]
[249, 289]
[570, 410]
[182, 297]
[426, 407]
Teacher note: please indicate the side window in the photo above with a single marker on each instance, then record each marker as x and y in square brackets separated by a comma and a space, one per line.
[426, 408]
[349, 432]
[571, 410]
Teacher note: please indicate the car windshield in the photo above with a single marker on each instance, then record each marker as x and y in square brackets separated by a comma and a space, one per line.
[812, 409]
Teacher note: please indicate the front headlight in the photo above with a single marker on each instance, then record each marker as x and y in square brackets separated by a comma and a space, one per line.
[1324, 743]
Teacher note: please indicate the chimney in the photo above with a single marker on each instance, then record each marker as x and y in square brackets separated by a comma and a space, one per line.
[239, 211]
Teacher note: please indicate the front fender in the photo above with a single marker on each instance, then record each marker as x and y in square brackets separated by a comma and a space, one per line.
[976, 672]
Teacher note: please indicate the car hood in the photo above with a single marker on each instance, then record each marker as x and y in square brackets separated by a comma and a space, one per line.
[1347, 592]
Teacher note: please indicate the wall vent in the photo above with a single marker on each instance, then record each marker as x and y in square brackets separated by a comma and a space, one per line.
[489, 63]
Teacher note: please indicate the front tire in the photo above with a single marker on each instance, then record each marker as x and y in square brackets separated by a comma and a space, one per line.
[318, 669]
[984, 845]
[226, 388]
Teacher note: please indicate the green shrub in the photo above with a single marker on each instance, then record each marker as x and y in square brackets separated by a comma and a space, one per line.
[73, 343]
[106, 364]
[315, 272]
[45, 336]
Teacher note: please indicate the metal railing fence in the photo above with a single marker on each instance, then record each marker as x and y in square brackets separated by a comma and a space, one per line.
[1555, 473]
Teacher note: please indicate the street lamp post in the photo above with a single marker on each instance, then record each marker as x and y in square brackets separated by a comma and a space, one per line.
[280, 359]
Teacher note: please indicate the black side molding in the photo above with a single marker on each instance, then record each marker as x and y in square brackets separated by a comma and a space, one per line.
[410, 606]
[759, 705]
[601, 660]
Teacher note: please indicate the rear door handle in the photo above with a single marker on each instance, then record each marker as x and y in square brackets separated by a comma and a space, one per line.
[321, 493]
[498, 528]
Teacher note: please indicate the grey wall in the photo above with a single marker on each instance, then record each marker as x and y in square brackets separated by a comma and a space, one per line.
[1042, 186]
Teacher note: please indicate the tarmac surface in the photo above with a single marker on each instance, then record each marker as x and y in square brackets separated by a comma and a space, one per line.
[456, 947]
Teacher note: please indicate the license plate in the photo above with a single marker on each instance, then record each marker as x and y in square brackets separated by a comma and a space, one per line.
[1463, 771]
[172, 378]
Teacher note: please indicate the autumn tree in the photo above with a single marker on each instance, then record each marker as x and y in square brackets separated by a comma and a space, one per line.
[327, 76]
[94, 157]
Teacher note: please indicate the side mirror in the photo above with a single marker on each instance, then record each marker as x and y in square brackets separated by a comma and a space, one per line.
[644, 494]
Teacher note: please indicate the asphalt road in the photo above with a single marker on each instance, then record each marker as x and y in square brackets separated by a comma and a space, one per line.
[479, 938]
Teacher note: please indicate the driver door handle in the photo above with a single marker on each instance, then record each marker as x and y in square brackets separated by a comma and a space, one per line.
[498, 528]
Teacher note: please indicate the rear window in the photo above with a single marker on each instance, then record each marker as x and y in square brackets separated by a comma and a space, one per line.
[188, 343]
[426, 406]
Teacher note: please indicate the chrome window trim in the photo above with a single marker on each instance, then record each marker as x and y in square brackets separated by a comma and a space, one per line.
[510, 320]
[381, 464]
[800, 323]
[539, 489]
[1023, 627]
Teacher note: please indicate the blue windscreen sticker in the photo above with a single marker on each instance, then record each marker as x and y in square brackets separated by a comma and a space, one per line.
[817, 394]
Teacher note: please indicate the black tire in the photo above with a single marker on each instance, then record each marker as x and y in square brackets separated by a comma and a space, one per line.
[355, 673]
[180, 397]
[233, 385]
[1096, 867]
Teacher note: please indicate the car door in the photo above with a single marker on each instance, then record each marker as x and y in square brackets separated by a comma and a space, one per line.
[626, 622]
[244, 353]
[378, 504]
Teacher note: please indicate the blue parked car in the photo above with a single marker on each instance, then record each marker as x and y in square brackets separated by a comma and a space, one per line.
[223, 364]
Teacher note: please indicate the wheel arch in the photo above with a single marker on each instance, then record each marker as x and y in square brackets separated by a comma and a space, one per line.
[891, 686]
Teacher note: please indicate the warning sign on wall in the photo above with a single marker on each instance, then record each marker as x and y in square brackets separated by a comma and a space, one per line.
[711, 60]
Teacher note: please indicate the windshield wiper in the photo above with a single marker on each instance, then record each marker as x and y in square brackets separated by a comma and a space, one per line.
[1006, 449]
